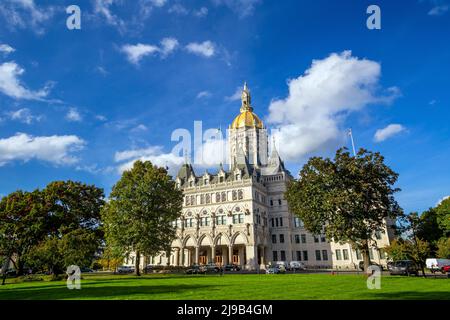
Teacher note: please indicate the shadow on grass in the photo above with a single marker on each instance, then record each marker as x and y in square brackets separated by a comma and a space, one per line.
[406, 295]
[115, 292]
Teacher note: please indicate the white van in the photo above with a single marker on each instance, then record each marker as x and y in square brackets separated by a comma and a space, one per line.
[437, 264]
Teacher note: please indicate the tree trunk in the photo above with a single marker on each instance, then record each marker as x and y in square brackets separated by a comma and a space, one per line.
[20, 266]
[366, 256]
[138, 262]
[4, 269]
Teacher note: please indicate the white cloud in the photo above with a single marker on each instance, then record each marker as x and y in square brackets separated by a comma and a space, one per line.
[310, 117]
[11, 85]
[236, 96]
[139, 128]
[242, 7]
[73, 115]
[135, 53]
[178, 9]
[168, 45]
[388, 132]
[206, 48]
[6, 49]
[440, 201]
[24, 115]
[103, 8]
[100, 117]
[203, 94]
[54, 149]
[154, 154]
[202, 12]
[25, 13]
[158, 3]
[439, 10]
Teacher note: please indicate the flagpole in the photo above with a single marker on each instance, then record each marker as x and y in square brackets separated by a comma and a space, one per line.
[353, 143]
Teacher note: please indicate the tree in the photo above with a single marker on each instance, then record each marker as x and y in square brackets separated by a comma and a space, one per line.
[443, 248]
[397, 250]
[428, 228]
[348, 198]
[60, 222]
[443, 216]
[142, 206]
[72, 226]
[22, 225]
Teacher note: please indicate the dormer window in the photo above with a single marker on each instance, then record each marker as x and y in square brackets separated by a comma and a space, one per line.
[206, 181]
[238, 176]
[221, 179]
[191, 184]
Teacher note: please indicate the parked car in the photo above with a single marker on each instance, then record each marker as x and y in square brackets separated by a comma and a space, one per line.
[404, 267]
[389, 265]
[445, 269]
[196, 269]
[86, 270]
[212, 268]
[275, 269]
[125, 269]
[436, 264]
[148, 268]
[371, 263]
[231, 267]
[11, 272]
[296, 265]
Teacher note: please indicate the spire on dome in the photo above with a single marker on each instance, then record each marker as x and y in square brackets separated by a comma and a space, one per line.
[246, 99]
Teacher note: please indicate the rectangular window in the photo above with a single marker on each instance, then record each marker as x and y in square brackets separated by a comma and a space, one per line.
[358, 254]
[241, 218]
[316, 239]
[382, 253]
[276, 222]
[221, 220]
[283, 255]
[345, 253]
[322, 238]
[338, 254]
[324, 255]
[371, 253]
[281, 222]
[305, 255]
[272, 223]
[274, 238]
[303, 238]
[235, 218]
[299, 255]
[318, 257]
[297, 238]
[282, 239]
[275, 255]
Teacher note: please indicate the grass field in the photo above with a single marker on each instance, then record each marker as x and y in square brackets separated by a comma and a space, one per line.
[214, 287]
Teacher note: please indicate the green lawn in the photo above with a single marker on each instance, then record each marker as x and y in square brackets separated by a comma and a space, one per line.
[251, 286]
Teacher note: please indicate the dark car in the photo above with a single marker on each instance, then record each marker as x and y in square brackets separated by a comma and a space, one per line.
[389, 265]
[404, 267]
[211, 268]
[371, 263]
[196, 269]
[231, 267]
[86, 270]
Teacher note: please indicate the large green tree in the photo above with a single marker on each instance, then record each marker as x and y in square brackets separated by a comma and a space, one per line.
[22, 225]
[60, 222]
[348, 198]
[142, 206]
[443, 216]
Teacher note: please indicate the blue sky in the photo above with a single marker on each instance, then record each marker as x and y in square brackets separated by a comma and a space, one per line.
[83, 104]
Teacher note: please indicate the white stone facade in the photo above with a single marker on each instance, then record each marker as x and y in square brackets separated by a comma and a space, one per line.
[240, 215]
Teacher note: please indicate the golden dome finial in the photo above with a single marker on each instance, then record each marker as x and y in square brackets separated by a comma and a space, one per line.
[246, 99]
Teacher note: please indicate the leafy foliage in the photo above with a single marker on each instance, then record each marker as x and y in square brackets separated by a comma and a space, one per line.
[348, 198]
[443, 250]
[443, 216]
[142, 206]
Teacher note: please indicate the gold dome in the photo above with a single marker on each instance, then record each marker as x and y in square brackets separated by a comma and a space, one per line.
[246, 118]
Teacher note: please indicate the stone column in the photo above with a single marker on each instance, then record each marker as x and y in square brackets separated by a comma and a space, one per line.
[182, 256]
[230, 254]
[252, 257]
[196, 254]
[177, 257]
[213, 253]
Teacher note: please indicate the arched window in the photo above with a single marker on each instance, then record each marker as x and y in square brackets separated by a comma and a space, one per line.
[234, 195]
[217, 197]
[241, 194]
[208, 198]
[224, 196]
